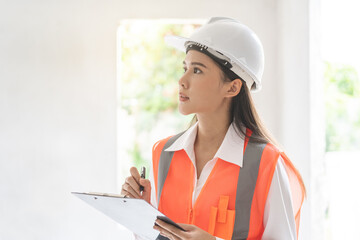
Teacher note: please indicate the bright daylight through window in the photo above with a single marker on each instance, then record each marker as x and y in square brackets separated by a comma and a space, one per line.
[340, 50]
[148, 73]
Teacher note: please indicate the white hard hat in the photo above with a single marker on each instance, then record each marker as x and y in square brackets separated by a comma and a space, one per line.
[232, 42]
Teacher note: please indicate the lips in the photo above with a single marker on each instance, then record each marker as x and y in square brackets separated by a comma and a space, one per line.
[183, 97]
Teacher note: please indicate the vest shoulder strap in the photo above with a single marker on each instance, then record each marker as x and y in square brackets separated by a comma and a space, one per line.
[164, 164]
[247, 179]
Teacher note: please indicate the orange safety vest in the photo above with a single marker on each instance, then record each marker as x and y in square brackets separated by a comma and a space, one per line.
[232, 201]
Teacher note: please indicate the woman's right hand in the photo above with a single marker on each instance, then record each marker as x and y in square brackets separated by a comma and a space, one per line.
[131, 187]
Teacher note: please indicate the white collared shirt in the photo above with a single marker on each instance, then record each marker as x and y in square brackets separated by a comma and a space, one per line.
[279, 221]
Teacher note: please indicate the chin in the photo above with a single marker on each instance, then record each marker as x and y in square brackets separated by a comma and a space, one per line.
[185, 111]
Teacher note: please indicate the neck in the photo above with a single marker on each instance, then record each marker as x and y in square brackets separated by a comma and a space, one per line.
[212, 129]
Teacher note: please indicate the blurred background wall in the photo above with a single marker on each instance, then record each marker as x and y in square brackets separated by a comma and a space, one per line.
[58, 103]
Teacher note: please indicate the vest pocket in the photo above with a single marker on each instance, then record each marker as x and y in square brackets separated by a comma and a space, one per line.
[221, 221]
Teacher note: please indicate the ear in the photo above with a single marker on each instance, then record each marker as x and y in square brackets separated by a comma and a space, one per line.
[234, 88]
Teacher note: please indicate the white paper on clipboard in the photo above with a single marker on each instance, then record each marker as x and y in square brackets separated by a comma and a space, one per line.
[135, 214]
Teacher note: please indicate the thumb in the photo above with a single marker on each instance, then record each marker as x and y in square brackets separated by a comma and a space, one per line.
[145, 183]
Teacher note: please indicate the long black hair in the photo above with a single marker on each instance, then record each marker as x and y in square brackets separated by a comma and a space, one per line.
[244, 115]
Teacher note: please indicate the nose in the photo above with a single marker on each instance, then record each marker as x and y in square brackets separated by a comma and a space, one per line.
[183, 82]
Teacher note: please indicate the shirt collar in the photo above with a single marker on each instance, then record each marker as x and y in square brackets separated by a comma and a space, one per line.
[230, 150]
[186, 142]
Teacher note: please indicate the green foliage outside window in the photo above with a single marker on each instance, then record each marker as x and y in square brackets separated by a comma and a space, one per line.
[149, 79]
[342, 96]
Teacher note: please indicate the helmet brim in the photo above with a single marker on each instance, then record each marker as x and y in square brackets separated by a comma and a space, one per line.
[176, 42]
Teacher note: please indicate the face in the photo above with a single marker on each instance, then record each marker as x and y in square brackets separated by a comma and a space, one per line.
[201, 88]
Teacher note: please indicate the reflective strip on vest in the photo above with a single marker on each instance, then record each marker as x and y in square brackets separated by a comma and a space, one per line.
[164, 164]
[248, 175]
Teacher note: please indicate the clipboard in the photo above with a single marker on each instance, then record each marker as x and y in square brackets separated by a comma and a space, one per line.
[137, 215]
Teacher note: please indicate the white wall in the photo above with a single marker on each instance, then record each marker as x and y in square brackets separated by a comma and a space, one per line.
[57, 124]
[302, 130]
[58, 102]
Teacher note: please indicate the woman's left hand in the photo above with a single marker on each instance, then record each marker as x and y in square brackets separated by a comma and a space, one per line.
[192, 232]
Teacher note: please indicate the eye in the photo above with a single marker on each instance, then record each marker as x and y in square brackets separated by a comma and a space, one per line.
[184, 69]
[197, 70]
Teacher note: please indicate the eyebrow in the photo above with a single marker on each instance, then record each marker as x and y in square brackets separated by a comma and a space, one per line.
[196, 63]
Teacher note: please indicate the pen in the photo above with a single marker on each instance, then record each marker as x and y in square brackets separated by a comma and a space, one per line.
[143, 170]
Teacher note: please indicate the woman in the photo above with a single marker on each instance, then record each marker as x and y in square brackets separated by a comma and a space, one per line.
[223, 178]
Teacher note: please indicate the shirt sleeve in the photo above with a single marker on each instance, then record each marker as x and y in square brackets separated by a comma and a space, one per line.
[279, 220]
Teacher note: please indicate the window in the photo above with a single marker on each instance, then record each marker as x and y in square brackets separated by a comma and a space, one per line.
[341, 48]
[148, 73]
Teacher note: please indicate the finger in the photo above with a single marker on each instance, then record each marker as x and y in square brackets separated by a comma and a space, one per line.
[133, 184]
[170, 228]
[129, 191]
[186, 227]
[135, 173]
[130, 195]
[166, 233]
